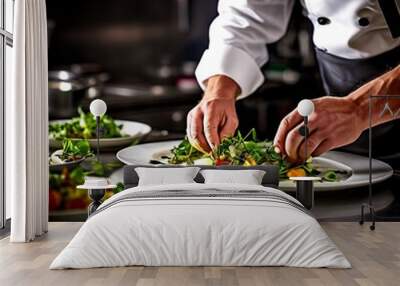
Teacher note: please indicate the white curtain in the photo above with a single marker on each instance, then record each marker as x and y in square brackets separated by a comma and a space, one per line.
[26, 124]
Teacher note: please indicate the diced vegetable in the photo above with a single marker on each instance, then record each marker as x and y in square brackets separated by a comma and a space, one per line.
[249, 161]
[204, 161]
[220, 162]
[296, 172]
[329, 176]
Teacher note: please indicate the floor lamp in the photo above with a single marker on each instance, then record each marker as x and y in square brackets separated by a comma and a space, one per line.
[96, 187]
[369, 205]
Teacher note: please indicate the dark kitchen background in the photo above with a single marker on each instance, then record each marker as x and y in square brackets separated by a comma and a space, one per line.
[140, 57]
[150, 50]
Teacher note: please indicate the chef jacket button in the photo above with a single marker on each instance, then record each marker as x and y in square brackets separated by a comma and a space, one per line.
[363, 22]
[323, 21]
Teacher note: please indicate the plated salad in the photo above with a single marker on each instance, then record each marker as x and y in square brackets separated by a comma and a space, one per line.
[72, 151]
[246, 151]
[84, 127]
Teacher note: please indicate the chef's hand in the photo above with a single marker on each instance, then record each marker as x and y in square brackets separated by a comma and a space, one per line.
[333, 124]
[337, 122]
[215, 116]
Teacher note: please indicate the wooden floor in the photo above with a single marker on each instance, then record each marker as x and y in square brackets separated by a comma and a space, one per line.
[375, 257]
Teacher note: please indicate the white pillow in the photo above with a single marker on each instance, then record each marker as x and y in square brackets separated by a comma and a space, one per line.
[166, 176]
[247, 177]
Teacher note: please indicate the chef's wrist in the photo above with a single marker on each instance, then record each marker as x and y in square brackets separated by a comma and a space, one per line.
[221, 87]
[360, 103]
[381, 86]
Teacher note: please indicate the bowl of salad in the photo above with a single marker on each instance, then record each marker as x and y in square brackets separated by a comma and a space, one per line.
[113, 133]
[70, 156]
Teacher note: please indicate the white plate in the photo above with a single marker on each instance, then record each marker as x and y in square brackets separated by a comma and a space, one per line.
[134, 130]
[357, 166]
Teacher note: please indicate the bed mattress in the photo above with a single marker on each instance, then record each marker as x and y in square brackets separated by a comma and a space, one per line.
[201, 225]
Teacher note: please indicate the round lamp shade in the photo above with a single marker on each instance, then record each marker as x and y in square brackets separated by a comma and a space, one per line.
[305, 107]
[98, 107]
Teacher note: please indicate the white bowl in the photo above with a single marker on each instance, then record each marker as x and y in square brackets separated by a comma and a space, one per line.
[134, 130]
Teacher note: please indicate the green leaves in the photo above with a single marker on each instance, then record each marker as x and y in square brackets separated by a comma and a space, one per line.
[235, 150]
[120, 187]
[84, 127]
[330, 176]
[99, 169]
[77, 176]
[75, 149]
[184, 153]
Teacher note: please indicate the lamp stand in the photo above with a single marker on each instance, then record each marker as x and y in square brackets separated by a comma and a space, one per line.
[98, 137]
[305, 137]
[305, 193]
[96, 195]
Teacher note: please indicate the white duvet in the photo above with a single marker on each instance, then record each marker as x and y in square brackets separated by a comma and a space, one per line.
[188, 231]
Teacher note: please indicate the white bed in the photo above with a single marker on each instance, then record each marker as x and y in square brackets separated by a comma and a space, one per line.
[223, 225]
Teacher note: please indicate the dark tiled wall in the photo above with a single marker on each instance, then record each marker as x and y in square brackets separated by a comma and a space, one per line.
[128, 37]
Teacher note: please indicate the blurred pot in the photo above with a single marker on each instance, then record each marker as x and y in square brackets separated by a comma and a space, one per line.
[68, 86]
[64, 97]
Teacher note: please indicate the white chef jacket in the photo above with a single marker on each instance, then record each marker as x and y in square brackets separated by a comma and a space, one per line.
[238, 36]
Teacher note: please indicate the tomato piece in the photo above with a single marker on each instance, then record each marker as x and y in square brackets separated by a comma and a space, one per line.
[220, 162]
[296, 172]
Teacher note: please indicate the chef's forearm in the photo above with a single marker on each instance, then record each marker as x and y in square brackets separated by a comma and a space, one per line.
[386, 84]
[238, 39]
[221, 86]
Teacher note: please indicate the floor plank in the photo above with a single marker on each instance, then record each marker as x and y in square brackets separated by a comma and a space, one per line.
[375, 257]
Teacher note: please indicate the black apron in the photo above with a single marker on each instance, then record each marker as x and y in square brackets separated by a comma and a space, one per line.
[342, 76]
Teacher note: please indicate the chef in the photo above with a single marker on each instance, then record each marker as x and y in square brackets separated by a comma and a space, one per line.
[357, 45]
